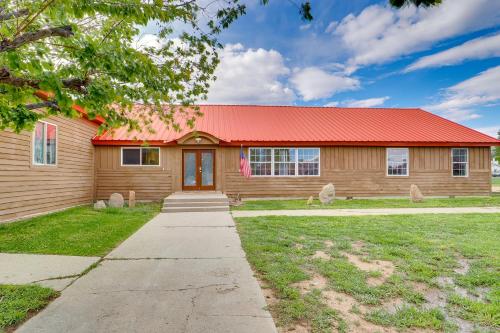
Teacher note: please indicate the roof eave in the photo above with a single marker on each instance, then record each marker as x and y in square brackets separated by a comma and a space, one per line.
[106, 142]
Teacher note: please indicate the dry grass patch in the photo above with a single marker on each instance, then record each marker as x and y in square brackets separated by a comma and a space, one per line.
[426, 273]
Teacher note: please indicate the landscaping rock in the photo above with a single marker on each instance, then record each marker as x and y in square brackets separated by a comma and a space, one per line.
[327, 194]
[100, 204]
[131, 199]
[415, 194]
[310, 200]
[116, 200]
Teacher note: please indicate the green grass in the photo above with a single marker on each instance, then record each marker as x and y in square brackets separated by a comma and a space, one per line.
[370, 203]
[16, 302]
[422, 248]
[495, 180]
[79, 231]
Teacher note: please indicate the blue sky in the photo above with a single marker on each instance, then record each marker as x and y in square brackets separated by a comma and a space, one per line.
[364, 53]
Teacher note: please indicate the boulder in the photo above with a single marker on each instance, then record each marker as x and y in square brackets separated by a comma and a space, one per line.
[100, 204]
[415, 194]
[116, 200]
[310, 200]
[327, 194]
[131, 198]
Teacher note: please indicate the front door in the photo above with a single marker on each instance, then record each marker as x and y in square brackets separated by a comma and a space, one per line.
[198, 167]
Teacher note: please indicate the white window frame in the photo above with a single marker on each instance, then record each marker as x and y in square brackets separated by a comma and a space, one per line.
[387, 161]
[466, 162]
[296, 161]
[140, 157]
[44, 139]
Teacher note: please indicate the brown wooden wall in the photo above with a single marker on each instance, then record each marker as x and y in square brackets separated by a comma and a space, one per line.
[148, 182]
[360, 172]
[27, 189]
[355, 171]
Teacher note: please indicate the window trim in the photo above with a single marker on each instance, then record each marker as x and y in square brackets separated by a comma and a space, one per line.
[44, 145]
[466, 162]
[387, 162]
[140, 157]
[249, 149]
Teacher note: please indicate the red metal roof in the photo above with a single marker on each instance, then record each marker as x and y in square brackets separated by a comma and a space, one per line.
[47, 95]
[297, 125]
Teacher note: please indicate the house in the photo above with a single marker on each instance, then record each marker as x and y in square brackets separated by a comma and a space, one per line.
[495, 168]
[293, 151]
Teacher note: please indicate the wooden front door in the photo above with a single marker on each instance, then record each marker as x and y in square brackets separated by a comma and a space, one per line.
[198, 169]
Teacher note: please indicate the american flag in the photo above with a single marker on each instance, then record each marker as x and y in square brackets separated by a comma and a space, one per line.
[245, 169]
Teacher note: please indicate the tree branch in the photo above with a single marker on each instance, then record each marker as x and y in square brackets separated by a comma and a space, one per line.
[46, 104]
[8, 45]
[75, 84]
[7, 78]
[15, 14]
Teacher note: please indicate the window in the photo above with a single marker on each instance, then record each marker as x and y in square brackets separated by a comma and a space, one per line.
[308, 161]
[284, 161]
[459, 162]
[44, 144]
[397, 161]
[148, 156]
[261, 161]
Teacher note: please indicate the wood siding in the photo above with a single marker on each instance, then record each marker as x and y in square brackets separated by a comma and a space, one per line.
[148, 182]
[27, 189]
[361, 172]
[355, 171]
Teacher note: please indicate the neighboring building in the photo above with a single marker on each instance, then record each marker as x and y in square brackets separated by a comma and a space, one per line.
[495, 168]
[293, 151]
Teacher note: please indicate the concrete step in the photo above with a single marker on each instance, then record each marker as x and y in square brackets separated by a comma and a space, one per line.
[195, 209]
[197, 199]
[194, 203]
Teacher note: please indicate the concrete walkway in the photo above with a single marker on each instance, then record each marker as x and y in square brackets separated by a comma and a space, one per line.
[181, 272]
[362, 212]
[53, 271]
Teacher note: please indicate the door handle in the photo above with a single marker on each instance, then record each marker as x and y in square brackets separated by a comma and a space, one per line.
[200, 169]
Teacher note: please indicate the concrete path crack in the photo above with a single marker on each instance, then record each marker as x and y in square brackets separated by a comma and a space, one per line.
[232, 285]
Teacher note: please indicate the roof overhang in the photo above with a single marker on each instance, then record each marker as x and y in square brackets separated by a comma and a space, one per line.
[185, 140]
[358, 144]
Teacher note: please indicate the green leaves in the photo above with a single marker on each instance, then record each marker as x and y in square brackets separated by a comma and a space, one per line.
[102, 65]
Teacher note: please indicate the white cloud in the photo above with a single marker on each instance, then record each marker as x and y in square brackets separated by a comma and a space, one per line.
[250, 76]
[314, 83]
[331, 27]
[479, 48]
[305, 26]
[460, 100]
[380, 34]
[332, 104]
[490, 130]
[366, 103]
[148, 40]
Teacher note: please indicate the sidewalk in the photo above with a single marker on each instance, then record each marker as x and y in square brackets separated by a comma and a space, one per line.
[54, 271]
[362, 212]
[181, 272]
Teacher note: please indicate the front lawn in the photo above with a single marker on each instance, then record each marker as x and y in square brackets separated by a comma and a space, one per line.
[79, 231]
[370, 273]
[370, 203]
[496, 180]
[17, 302]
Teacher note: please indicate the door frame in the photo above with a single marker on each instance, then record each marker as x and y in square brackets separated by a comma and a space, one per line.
[198, 186]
